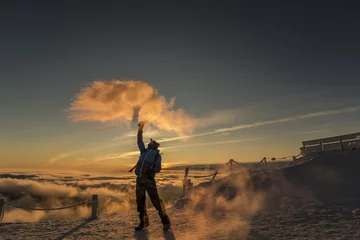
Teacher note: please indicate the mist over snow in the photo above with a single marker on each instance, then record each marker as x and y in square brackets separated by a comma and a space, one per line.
[55, 189]
[116, 193]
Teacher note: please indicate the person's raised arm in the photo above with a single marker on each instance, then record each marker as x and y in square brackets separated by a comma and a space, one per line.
[140, 141]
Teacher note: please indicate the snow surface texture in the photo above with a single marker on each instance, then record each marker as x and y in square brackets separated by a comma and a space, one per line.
[279, 205]
[296, 219]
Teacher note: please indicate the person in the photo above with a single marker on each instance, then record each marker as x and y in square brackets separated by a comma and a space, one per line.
[148, 165]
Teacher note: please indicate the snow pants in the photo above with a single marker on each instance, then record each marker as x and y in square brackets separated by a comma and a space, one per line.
[146, 183]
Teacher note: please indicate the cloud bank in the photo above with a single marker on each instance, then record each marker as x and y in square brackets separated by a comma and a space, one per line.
[124, 101]
[36, 190]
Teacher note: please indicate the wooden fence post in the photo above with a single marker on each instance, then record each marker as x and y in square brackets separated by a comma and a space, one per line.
[190, 186]
[185, 182]
[2, 210]
[186, 172]
[94, 207]
[342, 145]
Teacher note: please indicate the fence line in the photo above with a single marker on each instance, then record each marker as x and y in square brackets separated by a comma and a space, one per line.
[49, 209]
[94, 205]
[217, 171]
[188, 185]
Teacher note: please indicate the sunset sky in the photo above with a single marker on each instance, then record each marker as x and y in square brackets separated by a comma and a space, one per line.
[258, 77]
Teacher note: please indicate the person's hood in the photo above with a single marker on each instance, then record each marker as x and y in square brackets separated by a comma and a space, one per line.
[153, 144]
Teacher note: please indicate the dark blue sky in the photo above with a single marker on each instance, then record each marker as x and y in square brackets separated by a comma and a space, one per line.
[277, 58]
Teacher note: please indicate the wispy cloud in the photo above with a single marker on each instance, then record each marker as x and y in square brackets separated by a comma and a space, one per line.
[263, 123]
[110, 157]
[315, 131]
[211, 143]
[218, 117]
[167, 149]
[115, 142]
[63, 155]
[216, 131]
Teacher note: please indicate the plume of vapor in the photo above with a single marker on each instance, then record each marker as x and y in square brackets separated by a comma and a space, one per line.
[227, 206]
[106, 101]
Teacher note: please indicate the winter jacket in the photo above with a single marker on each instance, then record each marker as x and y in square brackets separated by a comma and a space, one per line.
[149, 161]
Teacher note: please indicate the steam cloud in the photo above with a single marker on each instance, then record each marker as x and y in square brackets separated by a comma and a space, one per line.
[227, 206]
[106, 101]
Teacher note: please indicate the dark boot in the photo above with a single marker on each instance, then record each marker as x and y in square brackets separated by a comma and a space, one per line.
[166, 222]
[144, 223]
[141, 226]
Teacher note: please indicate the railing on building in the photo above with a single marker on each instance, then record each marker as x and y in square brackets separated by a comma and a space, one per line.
[338, 143]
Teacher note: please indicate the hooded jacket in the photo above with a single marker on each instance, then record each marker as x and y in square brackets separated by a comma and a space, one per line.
[149, 161]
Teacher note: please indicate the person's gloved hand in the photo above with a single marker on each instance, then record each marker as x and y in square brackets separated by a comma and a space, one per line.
[141, 125]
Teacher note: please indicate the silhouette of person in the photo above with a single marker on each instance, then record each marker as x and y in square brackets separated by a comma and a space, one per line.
[148, 165]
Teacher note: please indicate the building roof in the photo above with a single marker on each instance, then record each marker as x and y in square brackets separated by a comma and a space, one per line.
[344, 138]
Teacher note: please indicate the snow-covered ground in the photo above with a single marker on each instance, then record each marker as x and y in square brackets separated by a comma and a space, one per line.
[296, 219]
[231, 208]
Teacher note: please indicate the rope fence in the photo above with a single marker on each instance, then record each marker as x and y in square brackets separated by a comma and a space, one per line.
[228, 167]
[50, 209]
[217, 171]
[94, 207]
